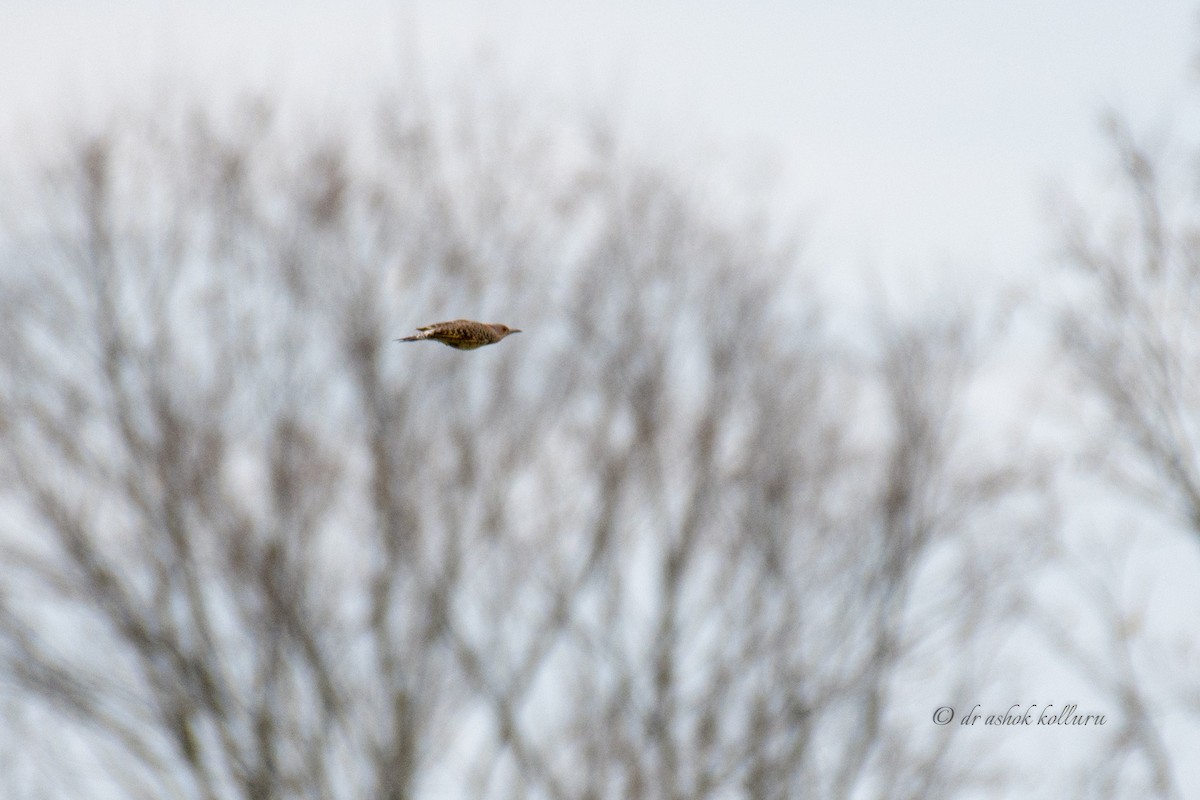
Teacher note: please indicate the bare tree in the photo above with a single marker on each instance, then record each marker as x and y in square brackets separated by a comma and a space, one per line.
[1130, 334]
[675, 541]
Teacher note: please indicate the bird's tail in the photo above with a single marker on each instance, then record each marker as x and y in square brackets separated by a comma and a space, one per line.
[416, 338]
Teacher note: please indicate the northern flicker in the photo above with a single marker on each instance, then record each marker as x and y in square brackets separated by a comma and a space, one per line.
[463, 334]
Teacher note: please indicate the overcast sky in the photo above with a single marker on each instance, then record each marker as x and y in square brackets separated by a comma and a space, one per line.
[907, 132]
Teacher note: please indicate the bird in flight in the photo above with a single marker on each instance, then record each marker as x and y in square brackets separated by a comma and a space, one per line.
[462, 334]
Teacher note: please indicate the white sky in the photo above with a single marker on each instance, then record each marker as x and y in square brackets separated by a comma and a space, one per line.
[908, 133]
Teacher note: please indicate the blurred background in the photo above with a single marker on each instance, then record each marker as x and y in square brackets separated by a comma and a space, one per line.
[859, 393]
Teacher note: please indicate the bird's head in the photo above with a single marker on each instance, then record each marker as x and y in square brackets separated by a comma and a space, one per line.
[504, 330]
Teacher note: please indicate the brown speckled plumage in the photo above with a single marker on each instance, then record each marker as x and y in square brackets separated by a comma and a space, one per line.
[462, 334]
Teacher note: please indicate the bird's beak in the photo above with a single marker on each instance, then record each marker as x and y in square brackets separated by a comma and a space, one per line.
[515, 330]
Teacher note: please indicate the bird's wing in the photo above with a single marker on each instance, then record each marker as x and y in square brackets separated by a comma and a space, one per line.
[455, 332]
[440, 326]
